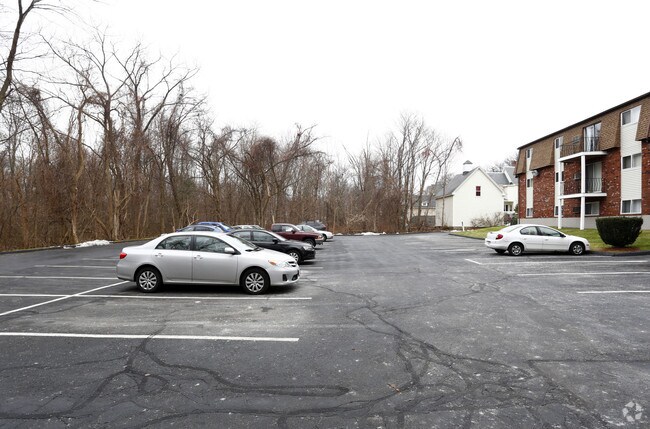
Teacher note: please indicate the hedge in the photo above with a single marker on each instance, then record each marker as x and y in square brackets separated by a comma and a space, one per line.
[619, 231]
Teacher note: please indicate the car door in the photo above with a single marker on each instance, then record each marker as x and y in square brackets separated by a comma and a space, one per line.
[210, 262]
[173, 258]
[532, 241]
[554, 241]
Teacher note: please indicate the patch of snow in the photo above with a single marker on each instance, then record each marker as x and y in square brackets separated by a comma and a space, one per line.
[371, 233]
[94, 243]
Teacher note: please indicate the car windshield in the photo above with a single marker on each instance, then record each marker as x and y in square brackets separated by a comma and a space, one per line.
[246, 243]
[308, 228]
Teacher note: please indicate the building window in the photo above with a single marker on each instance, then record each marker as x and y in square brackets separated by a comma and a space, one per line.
[529, 152]
[592, 137]
[557, 210]
[631, 206]
[529, 183]
[631, 116]
[592, 208]
[425, 203]
[529, 212]
[631, 161]
[507, 207]
[478, 191]
[558, 142]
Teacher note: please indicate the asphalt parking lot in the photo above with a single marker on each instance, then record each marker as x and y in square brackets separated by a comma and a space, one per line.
[405, 331]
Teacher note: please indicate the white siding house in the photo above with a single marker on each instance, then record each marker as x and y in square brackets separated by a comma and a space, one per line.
[475, 194]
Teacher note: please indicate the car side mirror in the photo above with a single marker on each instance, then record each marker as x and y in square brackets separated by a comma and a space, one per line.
[562, 235]
[230, 251]
[276, 241]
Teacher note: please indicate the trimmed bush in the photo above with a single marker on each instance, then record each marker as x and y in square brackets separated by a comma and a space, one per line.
[619, 231]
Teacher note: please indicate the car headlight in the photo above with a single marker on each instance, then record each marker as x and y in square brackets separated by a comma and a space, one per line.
[280, 264]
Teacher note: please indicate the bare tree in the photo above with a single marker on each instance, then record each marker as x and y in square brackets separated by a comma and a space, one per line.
[9, 61]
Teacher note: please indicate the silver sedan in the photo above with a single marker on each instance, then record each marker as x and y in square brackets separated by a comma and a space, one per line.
[205, 258]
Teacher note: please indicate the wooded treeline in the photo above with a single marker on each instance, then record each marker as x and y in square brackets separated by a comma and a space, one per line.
[107, 143]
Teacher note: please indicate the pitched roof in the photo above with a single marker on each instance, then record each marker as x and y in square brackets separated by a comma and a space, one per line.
[499, 179]
[453, 184]
[505, 177]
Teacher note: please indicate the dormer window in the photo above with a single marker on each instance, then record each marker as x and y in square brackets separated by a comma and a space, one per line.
[631, 116]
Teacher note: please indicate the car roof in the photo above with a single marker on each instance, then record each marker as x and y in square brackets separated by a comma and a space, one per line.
[215, 233]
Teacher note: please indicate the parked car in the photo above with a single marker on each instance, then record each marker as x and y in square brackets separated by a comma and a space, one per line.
[291, 232]
[327, 235]
[298, 250]
[223, 226]
[315, 224]
[517, 239]
[201, 228]
[205, 258]
[247, 227]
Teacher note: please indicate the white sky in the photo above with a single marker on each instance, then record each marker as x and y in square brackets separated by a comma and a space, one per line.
[498, 73]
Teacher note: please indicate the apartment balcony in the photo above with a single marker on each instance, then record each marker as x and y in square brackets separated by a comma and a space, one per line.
[593, 187]
[587, 146]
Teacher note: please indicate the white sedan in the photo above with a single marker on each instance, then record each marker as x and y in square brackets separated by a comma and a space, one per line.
[205, 258]
[327, 235]
[516, 239]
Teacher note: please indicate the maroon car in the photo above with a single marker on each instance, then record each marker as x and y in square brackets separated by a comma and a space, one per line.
[292, 232]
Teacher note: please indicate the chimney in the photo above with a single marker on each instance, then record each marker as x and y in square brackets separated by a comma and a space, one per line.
[467, 167]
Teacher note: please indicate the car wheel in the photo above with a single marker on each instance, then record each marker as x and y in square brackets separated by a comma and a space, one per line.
[516, 249]
[324, 238]
[311, 241]
[577, 248]
[255, 281]
[295, 255]
[500, 251]
[148, 279]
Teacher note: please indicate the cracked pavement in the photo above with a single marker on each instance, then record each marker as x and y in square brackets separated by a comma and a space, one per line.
[400, 332]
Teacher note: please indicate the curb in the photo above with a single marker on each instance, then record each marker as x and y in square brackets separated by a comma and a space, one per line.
[64, 246]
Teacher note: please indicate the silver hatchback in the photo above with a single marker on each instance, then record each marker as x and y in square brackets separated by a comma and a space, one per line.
[205, 258]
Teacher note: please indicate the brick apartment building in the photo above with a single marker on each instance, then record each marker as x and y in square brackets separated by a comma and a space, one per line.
[597, 167]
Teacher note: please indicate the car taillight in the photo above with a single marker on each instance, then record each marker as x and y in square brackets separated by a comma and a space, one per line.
[122, 255]
[499, 236]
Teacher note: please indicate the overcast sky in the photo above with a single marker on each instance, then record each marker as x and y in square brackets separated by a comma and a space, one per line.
[497, 73]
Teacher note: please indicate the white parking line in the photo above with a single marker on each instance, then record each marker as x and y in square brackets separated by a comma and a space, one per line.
[195, 298]
[77, 266]
[144, 337]
[555, 262]
[58, 277]
[602, 273]
[614, 291]
[60, 299]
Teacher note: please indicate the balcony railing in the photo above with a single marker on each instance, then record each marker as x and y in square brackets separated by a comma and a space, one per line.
[589, 144]
[592, 185]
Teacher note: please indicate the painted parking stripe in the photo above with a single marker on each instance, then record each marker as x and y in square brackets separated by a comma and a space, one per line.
[60, 299]
[613, 291]
[196, 298]
[111, 267]
[58, 277]
[602, 273]
[145, 337]
[616, 262]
